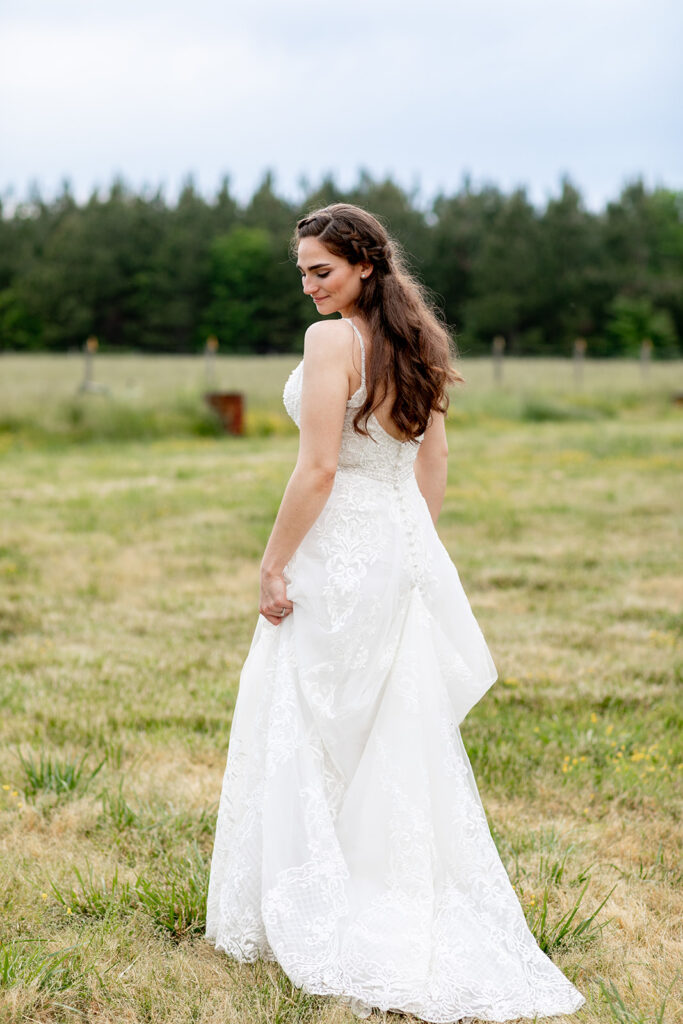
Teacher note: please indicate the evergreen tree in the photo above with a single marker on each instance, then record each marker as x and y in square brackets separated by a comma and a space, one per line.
[142, 273]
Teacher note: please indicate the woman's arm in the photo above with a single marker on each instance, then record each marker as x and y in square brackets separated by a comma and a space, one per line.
[325, 390]
[431, 464]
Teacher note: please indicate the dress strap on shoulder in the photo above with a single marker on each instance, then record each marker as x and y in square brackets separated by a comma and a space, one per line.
[362, 349]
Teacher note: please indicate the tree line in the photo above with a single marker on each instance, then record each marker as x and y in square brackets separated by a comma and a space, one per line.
[144, 274]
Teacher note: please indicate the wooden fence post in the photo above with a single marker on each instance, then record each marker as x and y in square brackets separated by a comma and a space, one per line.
[89, 350]
[579, 354]
[645, 357]
[498, 349]
[210, 360]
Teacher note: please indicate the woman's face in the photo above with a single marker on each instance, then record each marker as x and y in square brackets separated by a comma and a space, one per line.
[333, 283]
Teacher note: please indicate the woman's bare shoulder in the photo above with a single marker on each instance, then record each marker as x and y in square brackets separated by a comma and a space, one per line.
[333, 335]
[330, 328]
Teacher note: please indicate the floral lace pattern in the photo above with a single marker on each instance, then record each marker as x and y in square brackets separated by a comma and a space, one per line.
[351, 844]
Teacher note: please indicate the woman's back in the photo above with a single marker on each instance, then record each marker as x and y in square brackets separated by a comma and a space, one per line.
[381, 455]
[362, 353]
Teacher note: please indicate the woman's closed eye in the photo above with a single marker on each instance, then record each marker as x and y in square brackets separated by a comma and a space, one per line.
[325, 274]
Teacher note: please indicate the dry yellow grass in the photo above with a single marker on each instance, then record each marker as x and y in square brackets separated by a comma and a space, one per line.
[129, 574]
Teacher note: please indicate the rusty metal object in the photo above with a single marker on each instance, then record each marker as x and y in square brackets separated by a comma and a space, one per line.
[229, 406]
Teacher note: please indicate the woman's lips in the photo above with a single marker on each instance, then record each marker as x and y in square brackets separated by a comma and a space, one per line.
[321, 300]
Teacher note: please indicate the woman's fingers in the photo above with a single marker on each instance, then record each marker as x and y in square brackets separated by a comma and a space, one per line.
[275, 619]
[275, 605]
[275, 613]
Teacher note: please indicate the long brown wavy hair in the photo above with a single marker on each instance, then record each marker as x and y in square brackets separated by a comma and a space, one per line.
[411, 346]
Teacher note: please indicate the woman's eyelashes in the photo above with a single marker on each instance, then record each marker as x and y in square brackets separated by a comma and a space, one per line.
[326, 274]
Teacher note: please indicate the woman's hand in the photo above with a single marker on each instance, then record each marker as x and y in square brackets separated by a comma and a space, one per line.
[274, 598]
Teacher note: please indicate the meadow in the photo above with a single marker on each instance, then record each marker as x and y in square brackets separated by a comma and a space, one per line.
[131, 531]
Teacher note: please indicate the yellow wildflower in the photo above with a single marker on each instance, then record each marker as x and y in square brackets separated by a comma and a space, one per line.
[594, 717]
[6, 787]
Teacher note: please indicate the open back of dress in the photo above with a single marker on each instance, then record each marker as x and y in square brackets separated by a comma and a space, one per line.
[352, 845]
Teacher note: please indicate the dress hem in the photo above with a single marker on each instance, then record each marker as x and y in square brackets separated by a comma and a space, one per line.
[349, 998]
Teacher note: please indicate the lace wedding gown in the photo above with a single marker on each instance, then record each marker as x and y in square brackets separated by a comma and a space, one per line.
[351, 844]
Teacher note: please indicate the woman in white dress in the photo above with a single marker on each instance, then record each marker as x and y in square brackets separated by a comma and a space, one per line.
[351, 844]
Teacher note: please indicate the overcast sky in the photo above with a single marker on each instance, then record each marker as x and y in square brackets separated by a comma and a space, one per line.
[514, 92]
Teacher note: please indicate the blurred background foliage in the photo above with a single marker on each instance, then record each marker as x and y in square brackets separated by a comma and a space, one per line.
[143, 274]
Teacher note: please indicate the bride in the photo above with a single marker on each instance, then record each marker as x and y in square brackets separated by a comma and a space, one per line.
[351, 845]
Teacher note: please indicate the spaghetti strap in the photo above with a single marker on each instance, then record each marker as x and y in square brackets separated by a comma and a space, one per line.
[362, 350]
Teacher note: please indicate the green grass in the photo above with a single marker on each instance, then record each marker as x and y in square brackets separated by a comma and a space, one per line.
[51, 774]
[174, 899]
[570, 929]
[177, 902]
[625, 1009]
[94, 898]
[130, 537]
[27, 964]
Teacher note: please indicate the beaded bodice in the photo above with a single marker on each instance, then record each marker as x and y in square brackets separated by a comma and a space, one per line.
[380, 456]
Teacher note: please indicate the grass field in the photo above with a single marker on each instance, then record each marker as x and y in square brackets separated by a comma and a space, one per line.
[130, 538]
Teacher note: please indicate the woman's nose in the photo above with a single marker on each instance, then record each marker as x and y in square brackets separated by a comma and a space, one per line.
[308, 287]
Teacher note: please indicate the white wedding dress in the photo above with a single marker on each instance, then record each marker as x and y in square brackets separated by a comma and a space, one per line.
[351, 844]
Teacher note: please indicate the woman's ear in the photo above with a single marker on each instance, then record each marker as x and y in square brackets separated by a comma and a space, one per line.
[365, 269]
